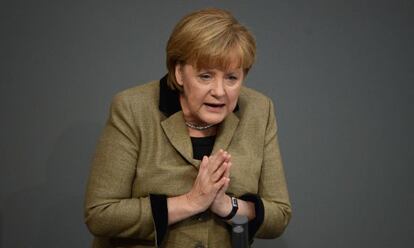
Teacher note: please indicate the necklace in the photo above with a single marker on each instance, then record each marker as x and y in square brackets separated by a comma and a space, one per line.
[197, 127]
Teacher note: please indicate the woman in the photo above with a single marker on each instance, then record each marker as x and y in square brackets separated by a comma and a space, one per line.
[179, 157]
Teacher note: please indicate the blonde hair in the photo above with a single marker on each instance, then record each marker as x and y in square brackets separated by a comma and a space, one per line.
[209, 38]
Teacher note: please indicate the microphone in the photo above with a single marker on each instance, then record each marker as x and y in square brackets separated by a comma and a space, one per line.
[240, 232]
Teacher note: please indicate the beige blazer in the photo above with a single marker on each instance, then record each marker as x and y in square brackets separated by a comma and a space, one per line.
[142, 152]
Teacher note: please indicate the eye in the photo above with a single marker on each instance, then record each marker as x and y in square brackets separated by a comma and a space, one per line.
[205, 76]
[232, 77]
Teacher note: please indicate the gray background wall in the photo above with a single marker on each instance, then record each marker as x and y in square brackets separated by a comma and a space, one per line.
[340, 73]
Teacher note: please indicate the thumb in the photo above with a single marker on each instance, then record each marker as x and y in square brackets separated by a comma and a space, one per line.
[204, 163]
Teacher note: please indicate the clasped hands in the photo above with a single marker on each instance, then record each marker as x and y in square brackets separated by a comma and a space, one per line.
[209, 188]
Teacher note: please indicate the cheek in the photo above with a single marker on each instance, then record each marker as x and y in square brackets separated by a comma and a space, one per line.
[196, 96]
[233, 96]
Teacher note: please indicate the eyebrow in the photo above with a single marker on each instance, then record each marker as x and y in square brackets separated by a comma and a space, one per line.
[212, 71]
[234, 72]
[205, 71]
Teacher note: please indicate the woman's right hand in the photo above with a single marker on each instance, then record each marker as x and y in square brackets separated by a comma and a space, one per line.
[209, 181]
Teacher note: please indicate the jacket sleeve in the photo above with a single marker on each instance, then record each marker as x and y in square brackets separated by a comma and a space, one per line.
[272, 184]
[110, 208]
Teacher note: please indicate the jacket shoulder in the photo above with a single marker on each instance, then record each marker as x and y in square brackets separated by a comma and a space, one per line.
[251, 99]
[139, 96]
[149, 89]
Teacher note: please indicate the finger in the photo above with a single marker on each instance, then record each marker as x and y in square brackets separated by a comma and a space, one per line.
[223, 171]
[214, 157]
[220, 183]
[228, 158]
[204, 165]
[227, 171]
[220, 172]
[218, 160]
[212, 167]
[224, 188]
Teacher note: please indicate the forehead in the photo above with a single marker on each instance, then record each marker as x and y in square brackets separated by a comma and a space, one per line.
[225, 62]
[228, 69]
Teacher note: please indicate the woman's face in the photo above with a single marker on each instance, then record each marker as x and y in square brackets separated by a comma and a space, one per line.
[209, 94]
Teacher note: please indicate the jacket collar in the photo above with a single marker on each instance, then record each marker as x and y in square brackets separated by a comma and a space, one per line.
[169, 98]
[176, 131]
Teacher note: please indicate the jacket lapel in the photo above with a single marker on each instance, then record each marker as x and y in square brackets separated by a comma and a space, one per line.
[176, 131]
[225, 132]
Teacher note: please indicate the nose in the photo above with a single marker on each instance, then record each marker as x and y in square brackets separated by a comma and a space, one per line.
[218, 88]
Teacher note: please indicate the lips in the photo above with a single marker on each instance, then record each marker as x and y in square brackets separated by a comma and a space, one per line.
[215, 105]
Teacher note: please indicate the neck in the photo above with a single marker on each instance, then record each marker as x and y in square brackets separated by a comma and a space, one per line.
[202, 133]
[195, 132]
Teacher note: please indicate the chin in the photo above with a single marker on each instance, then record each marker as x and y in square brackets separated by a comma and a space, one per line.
[214, 119]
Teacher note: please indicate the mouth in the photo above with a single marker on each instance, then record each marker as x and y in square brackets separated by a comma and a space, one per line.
[215, 105]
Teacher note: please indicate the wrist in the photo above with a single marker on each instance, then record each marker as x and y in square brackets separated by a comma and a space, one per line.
[234, 207]
[192, 204]
[223, 206]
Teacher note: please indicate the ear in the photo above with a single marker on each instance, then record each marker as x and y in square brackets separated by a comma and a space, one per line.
[179, 74]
